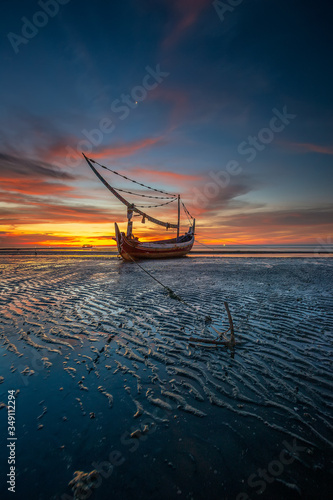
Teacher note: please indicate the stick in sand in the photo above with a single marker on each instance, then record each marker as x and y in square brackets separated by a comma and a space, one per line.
[232, 333]
[226, 342]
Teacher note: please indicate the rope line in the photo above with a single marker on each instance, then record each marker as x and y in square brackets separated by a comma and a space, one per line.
[154, 206]
[146, 195]
[204, 244]
[171, 293]
[132, 180]
[189, 220]
[187, 213]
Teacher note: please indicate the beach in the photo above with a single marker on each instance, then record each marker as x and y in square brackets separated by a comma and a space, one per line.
[105, 376]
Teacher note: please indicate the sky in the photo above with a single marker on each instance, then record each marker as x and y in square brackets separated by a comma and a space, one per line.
[228, 104]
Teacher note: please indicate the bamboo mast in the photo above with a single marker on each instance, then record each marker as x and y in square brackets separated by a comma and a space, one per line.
[178, 216]
[129, 223]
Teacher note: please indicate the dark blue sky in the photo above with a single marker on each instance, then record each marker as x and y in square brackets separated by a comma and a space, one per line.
[223, 72]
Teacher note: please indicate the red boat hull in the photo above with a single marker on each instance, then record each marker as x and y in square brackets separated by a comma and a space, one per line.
[132, 249]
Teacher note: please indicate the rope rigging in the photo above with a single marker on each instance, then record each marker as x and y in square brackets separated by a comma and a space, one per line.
[132, 180]
[136, 208]
[186, 211]
[129, 205]
[189, 220]
[146, 195]
[154, 206]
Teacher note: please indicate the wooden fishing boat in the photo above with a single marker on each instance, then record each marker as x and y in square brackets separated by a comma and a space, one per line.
[129, 246]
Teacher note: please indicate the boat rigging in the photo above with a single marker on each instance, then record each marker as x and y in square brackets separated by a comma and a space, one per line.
[129, 246]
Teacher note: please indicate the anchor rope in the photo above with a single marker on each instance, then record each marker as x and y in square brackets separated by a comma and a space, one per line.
[171, 293]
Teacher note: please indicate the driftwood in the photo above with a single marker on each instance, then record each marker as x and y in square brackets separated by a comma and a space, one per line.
[226, 342]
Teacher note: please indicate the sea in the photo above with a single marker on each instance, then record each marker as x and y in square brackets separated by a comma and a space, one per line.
[322, 247]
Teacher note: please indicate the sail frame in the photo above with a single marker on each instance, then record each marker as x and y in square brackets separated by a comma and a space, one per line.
[129, 205]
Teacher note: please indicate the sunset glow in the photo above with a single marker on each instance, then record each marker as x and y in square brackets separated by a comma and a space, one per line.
[241, 131]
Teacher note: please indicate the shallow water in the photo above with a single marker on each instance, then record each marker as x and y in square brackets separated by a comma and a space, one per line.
[99, 335]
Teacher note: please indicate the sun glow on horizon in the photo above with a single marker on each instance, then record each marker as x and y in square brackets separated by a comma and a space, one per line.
[102, 234]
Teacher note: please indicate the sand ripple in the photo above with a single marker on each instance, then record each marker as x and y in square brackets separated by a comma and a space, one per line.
[107, 317]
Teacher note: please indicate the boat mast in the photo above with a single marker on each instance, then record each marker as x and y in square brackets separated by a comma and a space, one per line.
[178, 216]
[129, 222]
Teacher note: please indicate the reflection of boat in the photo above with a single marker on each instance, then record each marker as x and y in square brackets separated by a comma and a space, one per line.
[129, 246]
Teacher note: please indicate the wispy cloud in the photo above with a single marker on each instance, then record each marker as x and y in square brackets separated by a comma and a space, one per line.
[32, 177]
[226, 197]
[117, 150]
[19, 167]
[164, 175]
[177, 101]
[268, 227]
[37, 187]
[39, 212]
[127, 149]
[311, 148]
[186, 13]
[302, 217]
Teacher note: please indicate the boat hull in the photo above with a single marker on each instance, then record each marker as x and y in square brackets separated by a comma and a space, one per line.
[131, 249]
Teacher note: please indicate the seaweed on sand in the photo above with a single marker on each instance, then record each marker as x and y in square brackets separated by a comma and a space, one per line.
[82, 483]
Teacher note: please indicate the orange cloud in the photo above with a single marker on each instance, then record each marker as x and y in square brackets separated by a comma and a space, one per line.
[18, 239]
[123, 150]
[267, 227]
[36, 187]
[114, 151]
[38, 212]
[256, 236]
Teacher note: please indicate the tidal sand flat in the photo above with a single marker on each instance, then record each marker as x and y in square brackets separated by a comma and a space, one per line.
[108, 383]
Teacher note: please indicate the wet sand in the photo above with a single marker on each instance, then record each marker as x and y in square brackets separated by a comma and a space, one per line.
[108, 379]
